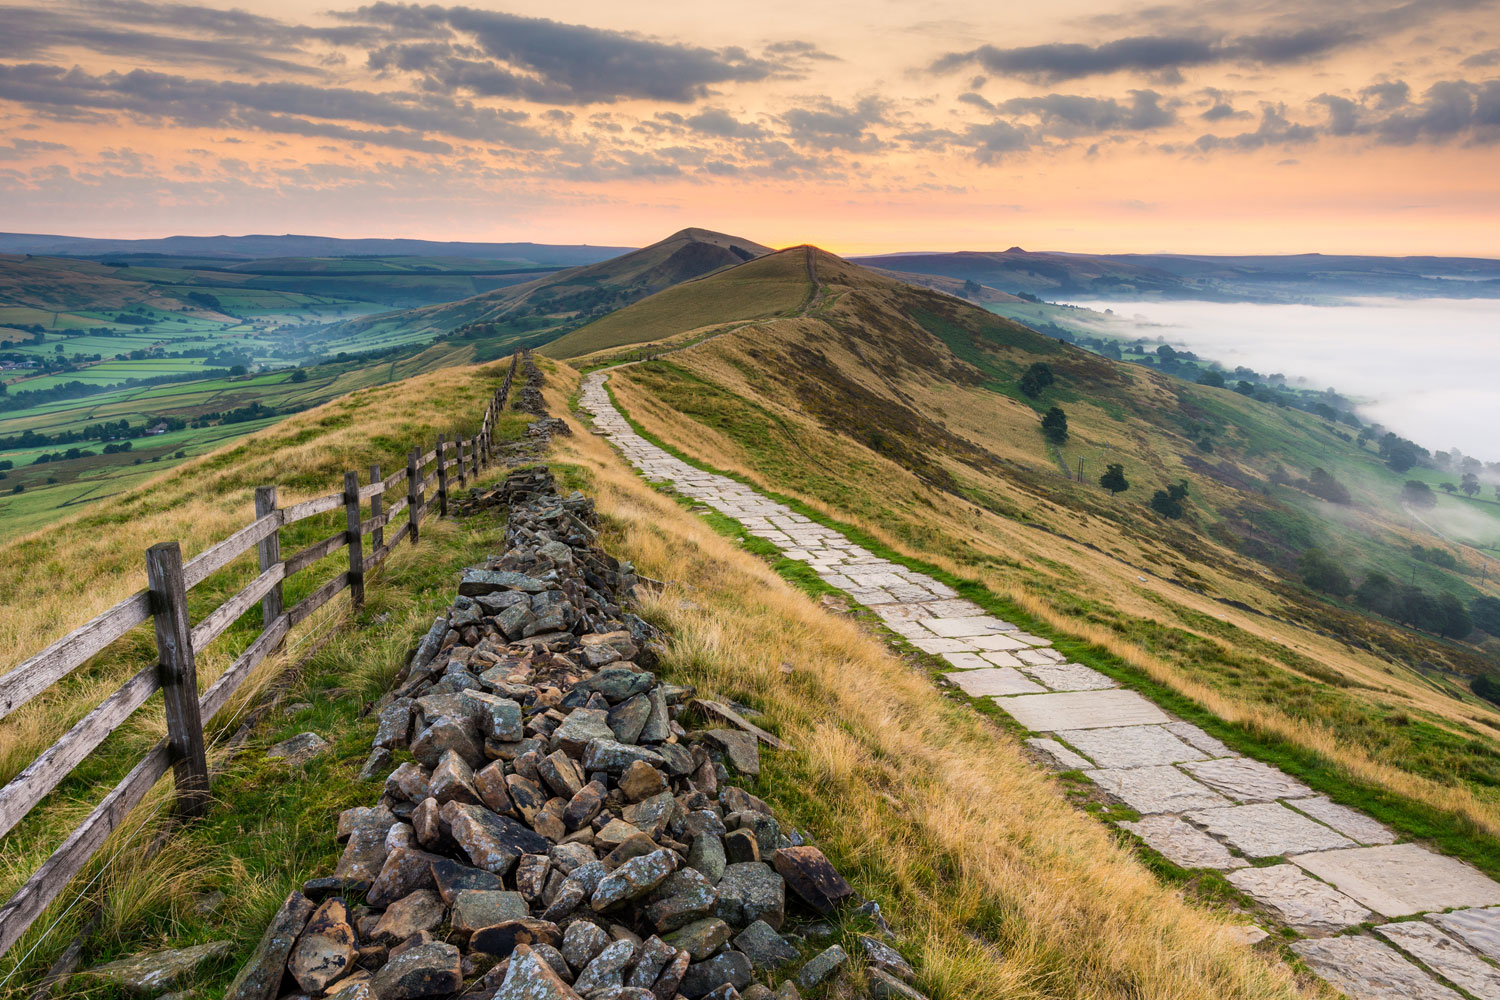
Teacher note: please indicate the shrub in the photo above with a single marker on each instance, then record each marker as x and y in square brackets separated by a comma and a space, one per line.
[1037, 378]
[1055, 425]
[1168, 502]
[1114, 478]
[1321, 572]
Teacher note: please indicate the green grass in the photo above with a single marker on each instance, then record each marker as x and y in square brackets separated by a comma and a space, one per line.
[1424, 748]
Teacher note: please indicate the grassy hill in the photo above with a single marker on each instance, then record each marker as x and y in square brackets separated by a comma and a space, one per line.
[536, 309]
[899, 410]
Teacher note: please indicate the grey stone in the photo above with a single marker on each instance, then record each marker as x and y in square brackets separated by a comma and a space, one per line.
[325, 950]
[448, 733]
[606, 969]
[988, 681]
[821, 966]
[1083, 710]
[1247, 780]
[499, 718]
[1402, 879]
[707, 856]
[1069, 677]
[1183, 844]
[701, 938]
[887, 959]
[476, 908]
[628, 718]
[1156, 789]
[613, 757]
[1130, 746]
[394, 727]
[159, 970]
[751, 891]
[1305, 904]
[491, 842]
[651, 958]
[884, 986]
[1479, 928]
[1268, 829]
[529, 977]
[684, 896]
[1058, 756]
[1365, 969]
[581, 942]
[812, 877]
[420, 911]
[1192, 735]
[742, 749]
[1352, 824]
[1445, 956]
[452, 877]
[377, 764]
[633, 879]
[726, 967]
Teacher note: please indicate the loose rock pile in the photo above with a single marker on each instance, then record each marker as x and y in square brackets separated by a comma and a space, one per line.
[539, 433]
[557, 833]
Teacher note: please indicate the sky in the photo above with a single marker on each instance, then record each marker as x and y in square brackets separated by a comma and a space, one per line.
[1231, 126]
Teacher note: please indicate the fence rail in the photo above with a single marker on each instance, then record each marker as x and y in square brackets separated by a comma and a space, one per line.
[178, 642]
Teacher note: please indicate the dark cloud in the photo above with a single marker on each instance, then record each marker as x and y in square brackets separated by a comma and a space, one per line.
[991, 141]
[399, 120]
[1489, 57]
[1070, 114]
[832, 126]
[497, 54]
[1387, 95]
[1154, 54]
[717, 121]
[22, 148]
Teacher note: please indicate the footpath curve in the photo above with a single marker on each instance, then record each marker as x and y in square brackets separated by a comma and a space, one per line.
[1334, 875]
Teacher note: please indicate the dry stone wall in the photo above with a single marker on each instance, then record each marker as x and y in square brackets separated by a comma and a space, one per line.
[552, 831]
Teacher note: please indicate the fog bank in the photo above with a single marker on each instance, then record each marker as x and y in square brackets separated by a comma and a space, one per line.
[1428, 369]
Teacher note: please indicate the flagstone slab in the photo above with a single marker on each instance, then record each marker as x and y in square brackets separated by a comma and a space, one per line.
[1084, 710]
[1399, 880]
[1268, 829]
[999, 642]
[1365, 969]
[1150, 790]
[1062, 758]
[1306, 904]
[967, 661]
[1070, 677]
[1000, 659]
[1444, 955]
[1352, 824]
[1479, 928]
[1183, 844]
[1248, 780]
[1189, 733]
[994, 681]
[1129, 746]
[956, 628]
[937, 646]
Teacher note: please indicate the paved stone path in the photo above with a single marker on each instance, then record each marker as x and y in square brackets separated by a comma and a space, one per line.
[1201, 804]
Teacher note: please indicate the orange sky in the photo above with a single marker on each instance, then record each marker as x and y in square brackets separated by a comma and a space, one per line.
[1233, 126]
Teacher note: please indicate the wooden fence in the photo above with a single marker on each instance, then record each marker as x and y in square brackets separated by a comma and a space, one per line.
[164, 600]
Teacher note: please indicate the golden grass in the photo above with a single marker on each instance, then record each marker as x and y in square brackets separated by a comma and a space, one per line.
[1004, 889]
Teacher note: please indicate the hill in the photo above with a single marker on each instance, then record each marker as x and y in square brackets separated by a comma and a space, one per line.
[537, 310]
[245, 247]
[1295, 277]
[900, 411]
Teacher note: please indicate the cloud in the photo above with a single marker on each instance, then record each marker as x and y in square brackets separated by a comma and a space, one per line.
[20, 149]
[506, 55]
[717, 121]
[833, 126]
[1155, 54]
[1070, 114]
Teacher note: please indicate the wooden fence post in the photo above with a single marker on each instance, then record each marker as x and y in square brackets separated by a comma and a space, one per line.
[179, 675]
[476, 456]
[270, 554]
[463, 466]
[442, 452]
[356, 549]
[377, 504]
[414, 490]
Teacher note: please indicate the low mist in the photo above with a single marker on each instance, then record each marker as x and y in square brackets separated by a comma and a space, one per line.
[1428, 369]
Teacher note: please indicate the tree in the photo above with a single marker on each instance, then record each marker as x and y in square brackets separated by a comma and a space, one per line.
[1470, 484]
[1037, 378]
[1322, 484]
[1168, 502]
[1418, 494]
[1055, 425]
[1245, 388]
[1211, 377]
[300, 375]
[1454, 621]
[1377, 593]
[1401, 456]
[1321, 572]
[1114, 478]
[1485, 613]
[1449, 488]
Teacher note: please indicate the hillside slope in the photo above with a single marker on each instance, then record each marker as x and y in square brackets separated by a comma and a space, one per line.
[569, 297]
[898, 410]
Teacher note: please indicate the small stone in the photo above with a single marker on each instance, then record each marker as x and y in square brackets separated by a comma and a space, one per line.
[580, 728]
[585, 805]
[821, 966]
[581, 942]
[684, 896]
[453, 877]
[405, 871]
[377, 764]
[742, 749]
[476, 908]
[884, 986]
[651, 958]
[531, 876]
[628, 718]
[637, 845]
[160, 970]
[726, 967]
[608, 755]
[489, 782]
[561, 774]
[641, 781]
[529, 977]
[427, 970]
[749, 892]
[607, 968]
[701, 938]
[741, 846]
[409, 783]
[503, 938]
[394, 727]
[453, 780]
[298, 749]
[499, 718]
[260, 978]
[763, 946]
[707, 856]
[492, 842]
[526, 796]
[651, 816]
[671, 976]
[810, 875]
[420, 911]
[448, 733]
[618, 682]
[633, 879]
[887, 959]
[326, 948]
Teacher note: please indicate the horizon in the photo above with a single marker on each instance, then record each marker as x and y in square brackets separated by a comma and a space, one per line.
[1225, 128]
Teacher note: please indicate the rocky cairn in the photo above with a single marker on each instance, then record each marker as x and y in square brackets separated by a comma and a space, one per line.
[556, 833]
